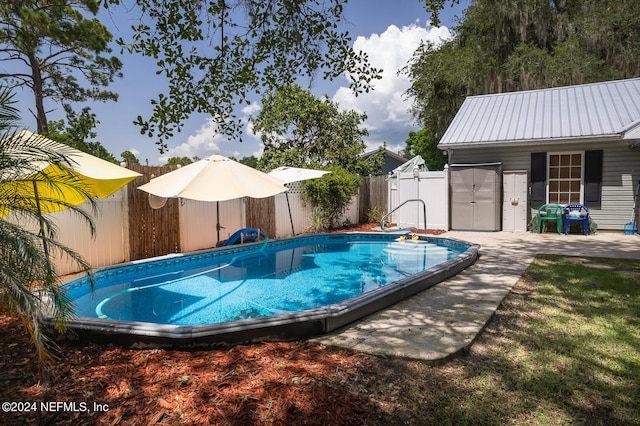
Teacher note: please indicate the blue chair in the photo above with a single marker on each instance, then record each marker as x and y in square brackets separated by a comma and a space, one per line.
[576, 212]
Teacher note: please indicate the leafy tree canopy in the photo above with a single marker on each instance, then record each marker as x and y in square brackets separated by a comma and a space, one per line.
[77, 132]
[424, 144]
[182, 161]
[301, 130]
[215, 54]
[130, 157]
[51, 45]
[250, 161]
[522, 45]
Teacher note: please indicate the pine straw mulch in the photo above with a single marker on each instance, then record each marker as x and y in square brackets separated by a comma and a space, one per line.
[283, 383]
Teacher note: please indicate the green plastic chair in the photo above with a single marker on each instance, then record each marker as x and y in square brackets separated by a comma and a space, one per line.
[553, 212]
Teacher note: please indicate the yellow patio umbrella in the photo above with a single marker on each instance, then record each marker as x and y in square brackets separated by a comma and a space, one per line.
[54, 186]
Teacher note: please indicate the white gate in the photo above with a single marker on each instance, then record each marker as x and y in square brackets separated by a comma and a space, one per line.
[432, 188]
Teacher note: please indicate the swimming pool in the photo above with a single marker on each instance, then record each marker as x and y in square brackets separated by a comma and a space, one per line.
[284, 289]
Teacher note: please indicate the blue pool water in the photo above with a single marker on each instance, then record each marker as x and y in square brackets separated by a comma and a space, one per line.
[256, 281]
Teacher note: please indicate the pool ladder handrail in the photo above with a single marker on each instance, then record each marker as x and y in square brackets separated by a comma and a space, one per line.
[424, 209]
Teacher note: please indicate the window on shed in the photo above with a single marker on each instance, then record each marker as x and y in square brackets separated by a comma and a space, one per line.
[563, 174]
[565, 178]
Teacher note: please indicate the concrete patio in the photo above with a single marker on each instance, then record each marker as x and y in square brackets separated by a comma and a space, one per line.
[443, 322]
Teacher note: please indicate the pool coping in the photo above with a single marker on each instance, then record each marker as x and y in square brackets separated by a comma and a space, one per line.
[443, 322]
[283, 327]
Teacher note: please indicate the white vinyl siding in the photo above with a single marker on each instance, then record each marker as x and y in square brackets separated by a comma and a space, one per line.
[620, 173]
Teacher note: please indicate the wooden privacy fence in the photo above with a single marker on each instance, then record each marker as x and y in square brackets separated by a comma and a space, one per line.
[128, 228]
[261, 214]
[373, 194]
[152, 232]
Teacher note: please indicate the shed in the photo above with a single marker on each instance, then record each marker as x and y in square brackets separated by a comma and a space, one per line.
[476, 196]
[574, 144]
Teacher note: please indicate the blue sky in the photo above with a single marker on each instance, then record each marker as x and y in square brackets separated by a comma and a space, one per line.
[388, 31]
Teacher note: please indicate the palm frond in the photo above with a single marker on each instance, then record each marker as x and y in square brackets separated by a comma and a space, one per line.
[9, 114]
[29, 285]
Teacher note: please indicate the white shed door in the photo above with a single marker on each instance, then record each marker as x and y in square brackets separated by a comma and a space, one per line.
[514, 200]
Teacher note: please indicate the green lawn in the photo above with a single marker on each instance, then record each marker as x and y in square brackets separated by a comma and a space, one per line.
[564, 348]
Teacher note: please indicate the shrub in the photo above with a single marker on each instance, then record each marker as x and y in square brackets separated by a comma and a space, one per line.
[375, 216]
[319, 220]
[332, 192]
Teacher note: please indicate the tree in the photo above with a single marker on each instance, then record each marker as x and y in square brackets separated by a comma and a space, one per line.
[129, 157]
[433, 8]
[424, 144]
[301, 130]
[182, 161]
[523, 45]
[76, 134]
[216, 54]
[51, 45]
[29, 285]
[250, 161]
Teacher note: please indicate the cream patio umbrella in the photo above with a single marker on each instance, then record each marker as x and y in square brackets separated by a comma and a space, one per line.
[295, 174]
[215, 178]
[54, 186]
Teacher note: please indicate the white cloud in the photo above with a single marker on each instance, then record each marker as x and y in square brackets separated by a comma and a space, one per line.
[387, 109]
[207, 141]
[388, 117]
[251, 108]
[202, 144]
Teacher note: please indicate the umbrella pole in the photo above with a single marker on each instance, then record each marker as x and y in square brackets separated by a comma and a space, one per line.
[286, 194]
[41, 220]
[218, 220]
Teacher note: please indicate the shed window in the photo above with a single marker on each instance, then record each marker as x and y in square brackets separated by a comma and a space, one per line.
[565, 178]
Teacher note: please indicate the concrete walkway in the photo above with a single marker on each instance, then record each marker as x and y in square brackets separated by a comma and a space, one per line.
[444, 321]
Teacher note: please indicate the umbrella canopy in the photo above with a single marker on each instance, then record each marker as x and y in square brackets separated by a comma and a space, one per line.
[215, 178]
[97, 177]
[295, 174]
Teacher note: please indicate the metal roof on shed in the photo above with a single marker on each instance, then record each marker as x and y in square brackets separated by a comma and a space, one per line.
[598, 110]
